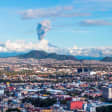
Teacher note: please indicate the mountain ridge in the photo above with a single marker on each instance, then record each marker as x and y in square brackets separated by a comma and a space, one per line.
[107, 59]
[37, 54]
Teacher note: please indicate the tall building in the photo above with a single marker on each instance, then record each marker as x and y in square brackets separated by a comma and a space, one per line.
[107, 92]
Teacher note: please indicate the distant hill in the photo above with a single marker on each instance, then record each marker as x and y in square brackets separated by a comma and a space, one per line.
[107, 59]
[44, 55]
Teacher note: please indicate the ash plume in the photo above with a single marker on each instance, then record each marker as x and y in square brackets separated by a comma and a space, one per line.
[42, 28]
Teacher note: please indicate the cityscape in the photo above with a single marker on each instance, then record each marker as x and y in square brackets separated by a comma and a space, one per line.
[56, 56]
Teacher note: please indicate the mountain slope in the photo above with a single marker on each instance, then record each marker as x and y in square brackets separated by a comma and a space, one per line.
[44, 55]
[107, 59]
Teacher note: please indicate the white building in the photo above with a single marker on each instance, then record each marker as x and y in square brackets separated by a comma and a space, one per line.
[107, 92]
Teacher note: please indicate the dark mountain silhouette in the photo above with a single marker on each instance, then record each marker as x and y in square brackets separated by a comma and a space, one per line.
[107, 59]
[44, 55]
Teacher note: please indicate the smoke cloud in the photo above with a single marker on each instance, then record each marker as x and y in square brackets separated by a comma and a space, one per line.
[42, 28]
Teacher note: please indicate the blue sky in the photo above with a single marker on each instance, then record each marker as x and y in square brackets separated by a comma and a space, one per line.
[84, 23]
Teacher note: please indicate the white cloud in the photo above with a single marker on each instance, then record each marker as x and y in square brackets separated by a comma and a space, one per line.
[95, 23]
[67, 11]
[22, 46]
[94, 52]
